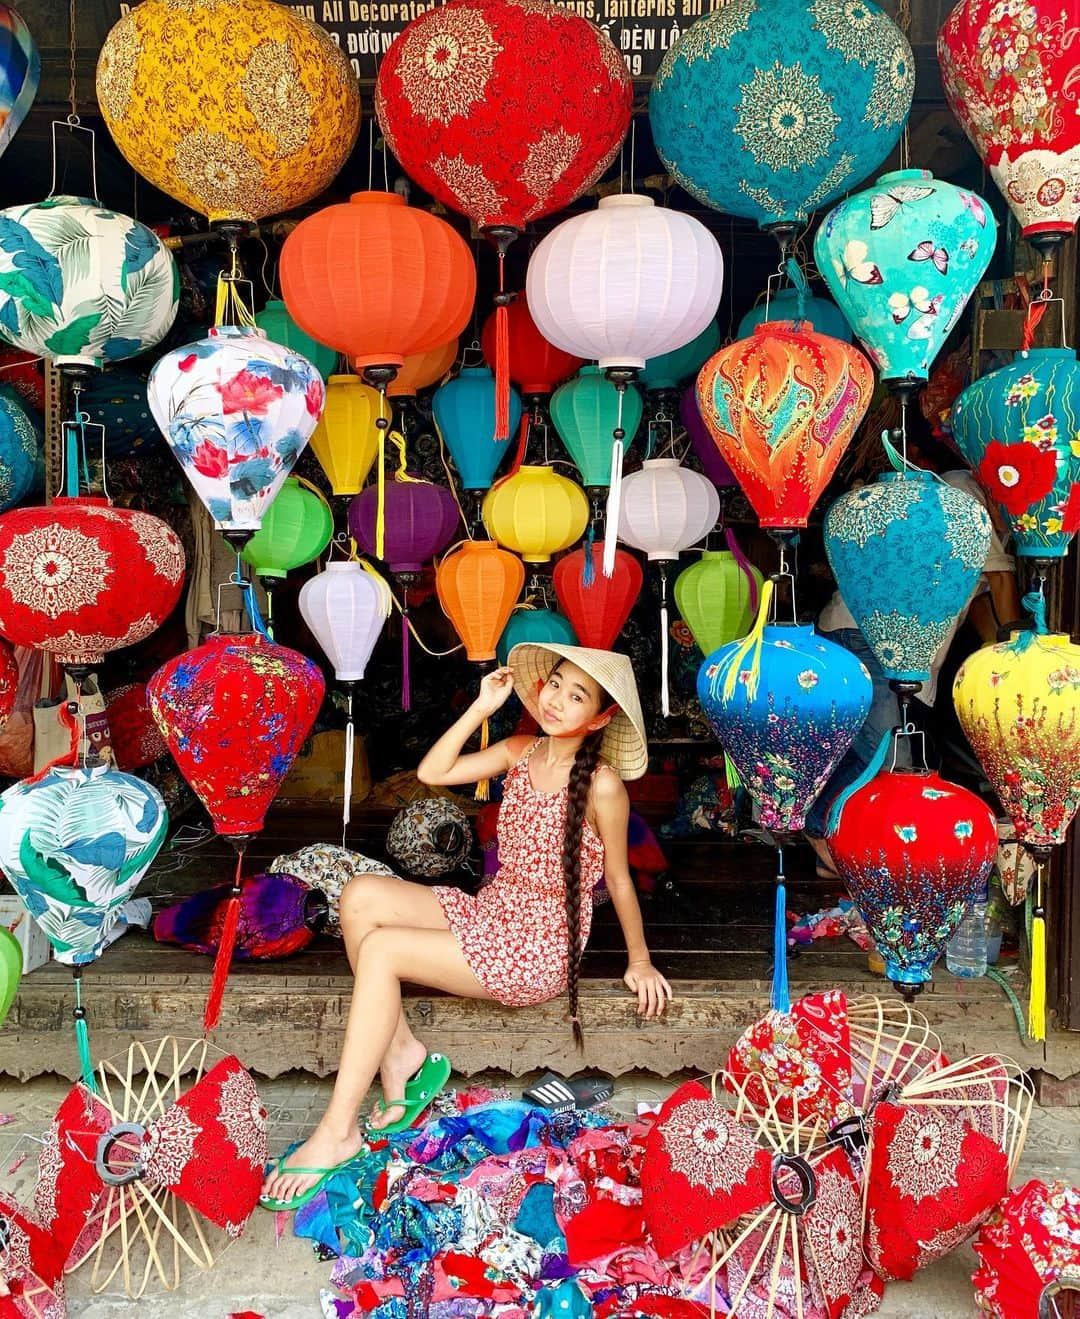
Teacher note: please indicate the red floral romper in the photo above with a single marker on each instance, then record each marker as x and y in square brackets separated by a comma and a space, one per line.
[513, 933]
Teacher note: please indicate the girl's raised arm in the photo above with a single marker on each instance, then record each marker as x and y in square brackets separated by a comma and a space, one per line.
[445, 766]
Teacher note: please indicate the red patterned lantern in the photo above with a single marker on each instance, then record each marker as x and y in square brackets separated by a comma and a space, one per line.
[22, 371]
[597, 606]
[135, 739]
[80, 578]
[782, 407]
[536, 366]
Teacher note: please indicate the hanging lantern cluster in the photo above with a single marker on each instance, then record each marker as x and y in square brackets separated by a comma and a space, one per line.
[262, 111]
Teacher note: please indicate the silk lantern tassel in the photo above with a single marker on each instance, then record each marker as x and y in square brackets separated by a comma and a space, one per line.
[750, 646]
[350, 753]
[223, 960]
[483, 787]
[406, 686]
[82, 1037]
[665, 695]
[614, 499]
[1037, 992]
[781, 993]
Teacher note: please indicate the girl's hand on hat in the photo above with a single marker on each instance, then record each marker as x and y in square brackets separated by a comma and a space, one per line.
[652, 990]
[495, 689]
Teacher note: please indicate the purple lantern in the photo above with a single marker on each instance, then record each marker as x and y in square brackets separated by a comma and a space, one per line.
[708, 455]
[421, 519]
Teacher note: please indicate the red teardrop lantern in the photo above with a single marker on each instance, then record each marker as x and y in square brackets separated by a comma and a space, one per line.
[536, 366]
[503, 111]
[135, 739]
[598, 608]
[80, 578]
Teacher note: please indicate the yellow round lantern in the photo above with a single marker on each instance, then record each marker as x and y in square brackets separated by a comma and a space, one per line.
[346, 440]
[536, 512]
[237, 108]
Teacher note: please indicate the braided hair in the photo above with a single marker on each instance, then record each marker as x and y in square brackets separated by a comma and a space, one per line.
[577, 798]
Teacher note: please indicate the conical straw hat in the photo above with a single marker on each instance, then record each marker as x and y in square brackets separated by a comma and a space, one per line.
[625, 747]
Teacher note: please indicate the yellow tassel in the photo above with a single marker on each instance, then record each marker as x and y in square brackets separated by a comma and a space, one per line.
[483, 788]
[750, 645]
[380, 517]
[1037, 995]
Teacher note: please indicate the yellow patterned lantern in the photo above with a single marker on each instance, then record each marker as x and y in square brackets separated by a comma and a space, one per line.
[346, 439]
[237, 108]
[536, 512]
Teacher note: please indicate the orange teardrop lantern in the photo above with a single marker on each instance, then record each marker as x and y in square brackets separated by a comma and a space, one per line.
[478, 586]
[782, 407]
[378, 280]
[423, 369]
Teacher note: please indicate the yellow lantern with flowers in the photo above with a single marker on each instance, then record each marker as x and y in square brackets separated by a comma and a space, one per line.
[536, 512]
[346, 440]
[237, 108]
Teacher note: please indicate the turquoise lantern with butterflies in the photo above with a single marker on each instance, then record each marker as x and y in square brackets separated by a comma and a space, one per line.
[901, 259]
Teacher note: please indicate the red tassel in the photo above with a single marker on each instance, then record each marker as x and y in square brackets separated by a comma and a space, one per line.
[223, 960]
[71, 756]
[502, 359]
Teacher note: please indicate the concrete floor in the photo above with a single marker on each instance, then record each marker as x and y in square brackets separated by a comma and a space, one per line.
[281, 1279]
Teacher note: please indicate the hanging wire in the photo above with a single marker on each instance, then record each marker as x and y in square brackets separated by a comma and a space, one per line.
[370, 151]
[633, 147]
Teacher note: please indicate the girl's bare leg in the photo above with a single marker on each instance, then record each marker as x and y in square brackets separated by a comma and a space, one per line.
[387, 956]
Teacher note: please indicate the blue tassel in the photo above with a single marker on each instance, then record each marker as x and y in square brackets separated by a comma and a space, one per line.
[1033, 603]
[253, 611]
[82, 1037]
[802, 288]
[836, 810]
[781, 994]
[588, 573]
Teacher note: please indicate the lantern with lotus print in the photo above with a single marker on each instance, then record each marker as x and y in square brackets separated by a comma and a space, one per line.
[237, 411]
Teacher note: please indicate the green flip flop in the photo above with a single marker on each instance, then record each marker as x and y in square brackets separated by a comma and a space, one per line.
[420, 1090]
[303, 1197]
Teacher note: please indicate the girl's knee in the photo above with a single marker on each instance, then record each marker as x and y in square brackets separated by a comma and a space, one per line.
[358, 898]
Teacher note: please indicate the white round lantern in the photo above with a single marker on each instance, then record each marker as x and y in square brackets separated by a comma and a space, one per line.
[666, 508]
[625, 282]
[345, 607]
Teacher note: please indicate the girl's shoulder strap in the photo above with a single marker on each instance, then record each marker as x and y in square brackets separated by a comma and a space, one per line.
[526, 753]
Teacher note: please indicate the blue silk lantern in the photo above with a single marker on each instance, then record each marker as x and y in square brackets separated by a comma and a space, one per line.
[464, 412]
[541, 626]
[585, 411]
[669, 370]
[810, 96]
[116, 399]
[819, 313]
[907, 552]
[902, 259]
[1019, 428]
[21, 443]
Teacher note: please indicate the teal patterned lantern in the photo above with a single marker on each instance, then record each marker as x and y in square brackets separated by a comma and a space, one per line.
[771, 108]
[585, 411]
[542, 626]
[279, 327]
[669, 370]
[1019, 428]
[81, 285]
[21, 442]
[902, 259]
[819, 313]
[907, 552]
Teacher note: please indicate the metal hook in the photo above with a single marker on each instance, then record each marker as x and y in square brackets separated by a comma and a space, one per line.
[73, 125]
[908, 730]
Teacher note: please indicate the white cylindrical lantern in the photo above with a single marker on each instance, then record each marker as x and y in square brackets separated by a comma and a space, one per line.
[345, 607]
[666, 508]
[625, 282]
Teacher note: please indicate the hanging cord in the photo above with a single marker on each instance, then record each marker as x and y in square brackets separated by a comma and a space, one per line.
[452, 480]
[230, 308]
[614, 500]
[1037, 309]
[382, 424]
[1033, 603]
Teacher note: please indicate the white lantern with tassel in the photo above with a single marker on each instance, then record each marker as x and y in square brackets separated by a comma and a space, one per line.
[346, 607]
[619, 285]
[666, 508]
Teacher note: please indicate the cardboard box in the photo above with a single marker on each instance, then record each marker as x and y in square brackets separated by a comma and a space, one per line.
[36, 949]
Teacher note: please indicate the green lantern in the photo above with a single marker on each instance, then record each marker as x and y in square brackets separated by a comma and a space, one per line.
[718, 596]
[669, 370]
[279, 327]
[11, 964]
[585, 411]
[296, 528]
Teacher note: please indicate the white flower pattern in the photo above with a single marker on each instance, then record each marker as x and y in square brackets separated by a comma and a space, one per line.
[168, 1148]
[924, 1154]
[243, 1116]
[707, 1145]
[445, 64]
[49, 1165]
[56, 570]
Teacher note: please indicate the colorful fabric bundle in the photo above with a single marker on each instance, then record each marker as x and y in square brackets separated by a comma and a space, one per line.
[327, 868]
[279, 915]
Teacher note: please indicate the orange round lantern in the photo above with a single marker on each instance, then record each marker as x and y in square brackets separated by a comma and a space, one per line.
[423, 369]
[478, 586]
[378, 280]
[782, 406]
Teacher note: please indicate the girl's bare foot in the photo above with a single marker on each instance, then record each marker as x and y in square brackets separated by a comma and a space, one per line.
[322, 1149]
[397, 1067]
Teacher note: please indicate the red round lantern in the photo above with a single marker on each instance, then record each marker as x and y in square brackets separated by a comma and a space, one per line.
[503, 111]
[597, 606]
[234, 712]
[22, 371]
[536, 366]
[378, 280]
[80, 577]
[135, 739]
[9, 682]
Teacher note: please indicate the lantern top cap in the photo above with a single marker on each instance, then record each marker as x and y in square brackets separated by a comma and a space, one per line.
[1043, 639]
[625, 199]
[345, 378]
[905, 175]
[236, 332]
[1042, 354]
[591, 369]
[374, 198]
[662, 462]
[83, 501]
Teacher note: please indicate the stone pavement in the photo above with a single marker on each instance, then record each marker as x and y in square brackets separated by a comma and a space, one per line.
[281, 1279]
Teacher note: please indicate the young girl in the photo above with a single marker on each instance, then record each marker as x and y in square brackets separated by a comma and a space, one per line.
[562, 827]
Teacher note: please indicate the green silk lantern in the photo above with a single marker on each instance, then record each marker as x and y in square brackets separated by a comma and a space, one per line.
[296, 528]
[718, 596]
[279, 327]
[585, 411]
[669, 370]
